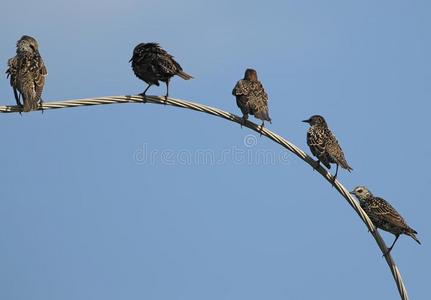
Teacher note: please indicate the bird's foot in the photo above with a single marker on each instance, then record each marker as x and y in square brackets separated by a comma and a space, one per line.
[386, 253]
[261, 128]
[316, 165]
[20, 108]
[333, 180]
[41, 106]
[144, 97]
[243, 122]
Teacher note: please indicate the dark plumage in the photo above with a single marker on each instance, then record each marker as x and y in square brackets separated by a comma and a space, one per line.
[383, 215]
[27, 73]
[251, 97]
[151, 63]
[324, 145]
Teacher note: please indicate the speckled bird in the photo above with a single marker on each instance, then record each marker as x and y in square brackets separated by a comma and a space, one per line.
[383, 215]
[324, 145]
[251, 97]
[151, 63]
[27, 73]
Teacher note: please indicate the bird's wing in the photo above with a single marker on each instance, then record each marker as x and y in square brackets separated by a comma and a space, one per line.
[242, 102]
[384, 211]
[258, 101]
[166, 66]
[40, 72]
[12, 72]
[259, 93]
[164, 63]
[12, 67]
[334, 150]
[241, 88]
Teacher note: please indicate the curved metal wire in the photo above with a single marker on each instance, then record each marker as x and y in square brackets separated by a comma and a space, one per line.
[264, 131]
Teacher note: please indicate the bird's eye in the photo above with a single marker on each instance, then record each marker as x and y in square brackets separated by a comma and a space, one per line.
[360, 191]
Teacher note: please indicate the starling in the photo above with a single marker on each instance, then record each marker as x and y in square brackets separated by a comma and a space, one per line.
[151, 63]
[383, 215]
[27, 73]
[324, 145]
[251, 97]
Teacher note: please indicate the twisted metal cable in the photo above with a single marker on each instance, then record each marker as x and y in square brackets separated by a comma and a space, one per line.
[263, 131]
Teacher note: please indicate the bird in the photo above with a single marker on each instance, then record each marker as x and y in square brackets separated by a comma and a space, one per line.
[383, 215]
[27, 73]
[324, 145]
[151, 63]
[251, 97]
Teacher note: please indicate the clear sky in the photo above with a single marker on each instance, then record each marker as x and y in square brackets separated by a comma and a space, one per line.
[84, 214]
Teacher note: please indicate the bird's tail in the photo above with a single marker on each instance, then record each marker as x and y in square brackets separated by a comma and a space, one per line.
[263, 114]
[413, 233]
[345, 165]
[184, 75]
[349, 168]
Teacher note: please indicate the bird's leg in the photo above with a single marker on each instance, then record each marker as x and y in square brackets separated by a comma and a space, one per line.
[21, 109]
[18, 100]
[335, 176]
[144, 100]
[167, 91]
[390, 248]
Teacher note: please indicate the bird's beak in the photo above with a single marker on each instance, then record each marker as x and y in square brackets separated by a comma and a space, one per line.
[352, 192]
[306, 121]
[131, 59]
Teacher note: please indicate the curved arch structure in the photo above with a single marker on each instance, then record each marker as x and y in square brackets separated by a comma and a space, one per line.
[264, 131]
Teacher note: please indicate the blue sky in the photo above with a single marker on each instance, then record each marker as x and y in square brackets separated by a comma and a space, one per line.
[84, 216]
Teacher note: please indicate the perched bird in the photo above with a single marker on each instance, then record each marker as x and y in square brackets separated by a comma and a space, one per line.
[383, 215]
[251, 97]
[324, 145]
[151, 63]
[27, 73]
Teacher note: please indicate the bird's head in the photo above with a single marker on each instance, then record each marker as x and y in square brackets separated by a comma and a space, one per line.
[250, 74]
[316, 120]
[27, 44]
[137, 49]
[361, 192]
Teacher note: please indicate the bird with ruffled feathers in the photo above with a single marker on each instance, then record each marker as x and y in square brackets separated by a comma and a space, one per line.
[151, 63]
[27, 73]
[251, 97]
